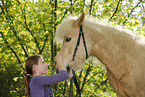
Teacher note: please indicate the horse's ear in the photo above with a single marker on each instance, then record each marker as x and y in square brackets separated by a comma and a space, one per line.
[79, 21]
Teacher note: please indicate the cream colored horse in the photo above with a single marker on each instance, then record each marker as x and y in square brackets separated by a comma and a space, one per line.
[122, 52]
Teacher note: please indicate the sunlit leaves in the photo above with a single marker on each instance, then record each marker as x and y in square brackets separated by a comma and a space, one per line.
[33, 20]
[15, 79]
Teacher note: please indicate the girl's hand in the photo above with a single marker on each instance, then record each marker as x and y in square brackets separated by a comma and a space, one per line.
[59, 64]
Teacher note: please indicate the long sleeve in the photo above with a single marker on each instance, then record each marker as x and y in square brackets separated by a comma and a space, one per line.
[51, 79]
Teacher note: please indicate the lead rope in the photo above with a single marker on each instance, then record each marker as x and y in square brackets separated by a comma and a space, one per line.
[78, 42]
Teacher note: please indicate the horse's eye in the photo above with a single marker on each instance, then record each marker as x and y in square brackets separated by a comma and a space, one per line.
[67, 39]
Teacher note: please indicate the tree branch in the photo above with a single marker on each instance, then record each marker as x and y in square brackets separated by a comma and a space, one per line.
[64, 89]
[55, 16]
[53, 5]
[71, 5]
[131, 11]
[84, 80]
[90, 11]
[46, 39]
[10, 22]
[28, 29]
[62, 17]
[19, 61]
[66, 10]
[115, 10]
[71, 88]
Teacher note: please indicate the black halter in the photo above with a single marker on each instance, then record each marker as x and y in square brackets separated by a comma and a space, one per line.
[76, 48]
[78, 42]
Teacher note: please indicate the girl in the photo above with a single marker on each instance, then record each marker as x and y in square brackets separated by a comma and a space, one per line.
[37, 83]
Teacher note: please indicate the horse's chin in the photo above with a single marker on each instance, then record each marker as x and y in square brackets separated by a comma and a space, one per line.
[75, 66]
[69, 70]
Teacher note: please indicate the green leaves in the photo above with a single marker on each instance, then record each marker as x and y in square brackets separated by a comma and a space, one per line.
[28, 27]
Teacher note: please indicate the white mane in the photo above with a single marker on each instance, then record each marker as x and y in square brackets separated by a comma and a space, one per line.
[66, 26]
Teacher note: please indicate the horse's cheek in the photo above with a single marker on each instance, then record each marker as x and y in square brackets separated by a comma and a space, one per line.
[69, 51]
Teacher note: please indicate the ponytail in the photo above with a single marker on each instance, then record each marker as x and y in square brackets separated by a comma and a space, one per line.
[27, 87]
[28, 67]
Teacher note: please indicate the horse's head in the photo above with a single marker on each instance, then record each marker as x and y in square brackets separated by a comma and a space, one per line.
[68, 32]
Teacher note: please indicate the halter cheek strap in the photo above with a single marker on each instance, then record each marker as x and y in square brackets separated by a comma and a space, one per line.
[76, 48]
[78, 42]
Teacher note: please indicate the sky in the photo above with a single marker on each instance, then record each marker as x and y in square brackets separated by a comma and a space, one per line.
[65, 0]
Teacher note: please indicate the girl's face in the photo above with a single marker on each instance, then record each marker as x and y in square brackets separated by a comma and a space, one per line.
[41, 68]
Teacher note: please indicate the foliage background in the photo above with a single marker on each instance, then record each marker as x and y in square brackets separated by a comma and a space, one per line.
[28, 27]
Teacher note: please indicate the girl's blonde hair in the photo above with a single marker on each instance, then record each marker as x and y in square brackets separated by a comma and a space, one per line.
[28, 67]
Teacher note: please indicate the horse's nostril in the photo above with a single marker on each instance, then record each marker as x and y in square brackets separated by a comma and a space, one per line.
[68, 68]
[57, 71]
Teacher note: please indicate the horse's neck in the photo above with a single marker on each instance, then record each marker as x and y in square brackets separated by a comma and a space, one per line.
[110, 41]
[115, 48]
[120, 51]
[111, 48]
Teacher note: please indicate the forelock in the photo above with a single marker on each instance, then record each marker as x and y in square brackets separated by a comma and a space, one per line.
[64, 28]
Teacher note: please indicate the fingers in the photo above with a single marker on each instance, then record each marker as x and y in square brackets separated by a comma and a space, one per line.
[72, 63]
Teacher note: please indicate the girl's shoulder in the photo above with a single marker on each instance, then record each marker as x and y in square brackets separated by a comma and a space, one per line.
[38, 80]
[38, 77]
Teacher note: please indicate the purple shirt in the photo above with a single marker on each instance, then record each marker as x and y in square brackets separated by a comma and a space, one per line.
[40, 85]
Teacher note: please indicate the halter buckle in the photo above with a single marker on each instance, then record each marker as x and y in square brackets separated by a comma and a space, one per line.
[70, 65]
